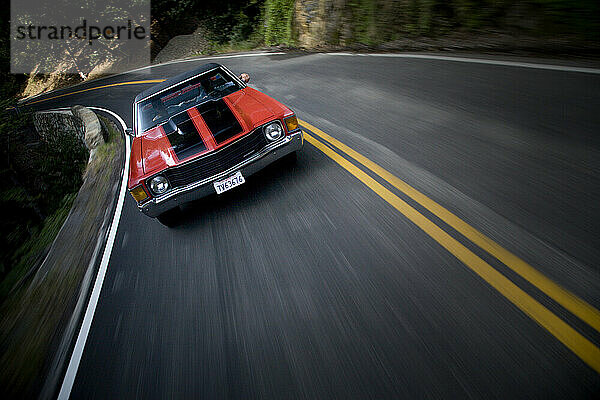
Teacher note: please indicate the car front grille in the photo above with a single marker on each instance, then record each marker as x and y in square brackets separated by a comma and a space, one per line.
[219, 161]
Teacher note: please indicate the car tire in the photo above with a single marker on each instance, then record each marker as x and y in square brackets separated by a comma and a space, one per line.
[170, 218]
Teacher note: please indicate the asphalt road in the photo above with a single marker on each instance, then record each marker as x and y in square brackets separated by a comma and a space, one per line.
[305, 283]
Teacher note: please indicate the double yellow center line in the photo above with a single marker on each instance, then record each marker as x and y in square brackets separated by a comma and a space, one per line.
[577, 343]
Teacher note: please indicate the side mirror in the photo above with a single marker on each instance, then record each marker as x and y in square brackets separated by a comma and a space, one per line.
[129, 131]
[245, 77]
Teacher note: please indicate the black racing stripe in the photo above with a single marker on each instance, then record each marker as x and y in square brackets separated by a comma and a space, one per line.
[180, 118]
[184, 137]
[220, 120]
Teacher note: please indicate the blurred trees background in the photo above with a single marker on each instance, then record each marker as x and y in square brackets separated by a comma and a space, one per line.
[224, 21]
[39, 176]
[311, 23]
[345, 22]
[371, 22]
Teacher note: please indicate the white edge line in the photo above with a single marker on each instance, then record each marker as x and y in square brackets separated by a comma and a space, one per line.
[69, 379]
[202, 58]
[551, 67]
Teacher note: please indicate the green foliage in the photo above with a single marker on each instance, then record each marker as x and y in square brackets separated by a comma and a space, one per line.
[63, 165]
[363, 15]
[235, 23]
[226, 21]
[278, 21]
[32, 245]
[242, 29]
[35, 176]
[242, 23]
[375, 21]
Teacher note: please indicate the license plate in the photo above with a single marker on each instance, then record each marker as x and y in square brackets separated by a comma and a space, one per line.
[229, 183]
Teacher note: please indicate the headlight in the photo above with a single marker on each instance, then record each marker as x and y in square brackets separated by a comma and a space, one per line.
[273, 131]
[159, 184]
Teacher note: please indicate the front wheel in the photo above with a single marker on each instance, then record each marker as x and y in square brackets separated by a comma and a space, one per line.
[170, 218]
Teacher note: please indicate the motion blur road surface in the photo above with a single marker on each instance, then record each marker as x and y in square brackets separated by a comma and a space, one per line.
[305, 283]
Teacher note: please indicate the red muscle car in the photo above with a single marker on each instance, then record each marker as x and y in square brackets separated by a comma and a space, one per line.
[201, 132]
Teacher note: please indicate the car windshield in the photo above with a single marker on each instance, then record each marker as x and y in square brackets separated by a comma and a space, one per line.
[159, 108]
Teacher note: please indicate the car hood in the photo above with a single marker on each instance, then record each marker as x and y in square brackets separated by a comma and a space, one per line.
[204, 128]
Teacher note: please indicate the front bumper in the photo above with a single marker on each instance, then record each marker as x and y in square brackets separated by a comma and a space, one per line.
[197, 190]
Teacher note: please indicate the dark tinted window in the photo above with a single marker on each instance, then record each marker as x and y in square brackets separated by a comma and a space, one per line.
[160, 107]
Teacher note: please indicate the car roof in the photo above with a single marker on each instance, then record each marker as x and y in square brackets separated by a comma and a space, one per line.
[174, 80]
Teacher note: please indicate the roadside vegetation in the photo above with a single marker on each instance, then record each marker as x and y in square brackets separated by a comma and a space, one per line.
[226, 25]
[34, 316]
[314, 23]
[221, 26]
[39, 178]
